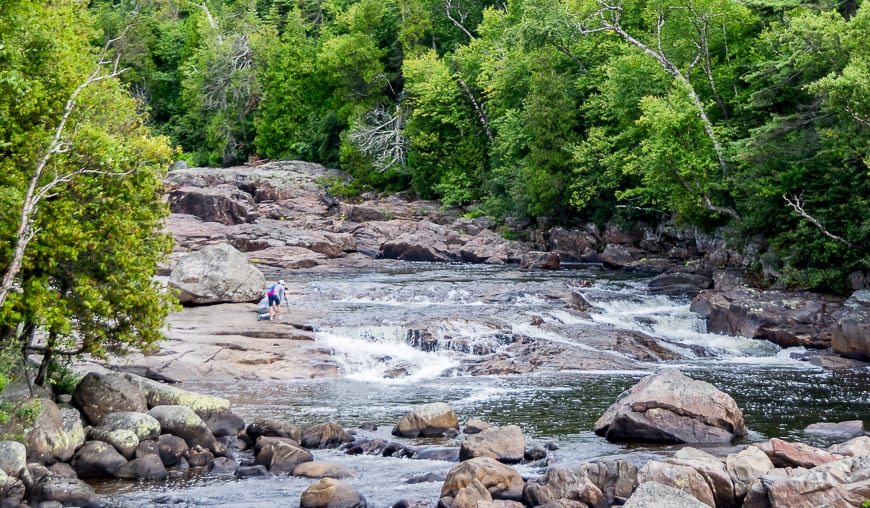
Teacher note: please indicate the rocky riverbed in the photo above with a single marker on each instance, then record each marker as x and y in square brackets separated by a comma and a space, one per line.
[241, 227]
[281, 217]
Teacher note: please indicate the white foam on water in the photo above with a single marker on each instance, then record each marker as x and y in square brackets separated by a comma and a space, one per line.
[662, 316]
[382, 356]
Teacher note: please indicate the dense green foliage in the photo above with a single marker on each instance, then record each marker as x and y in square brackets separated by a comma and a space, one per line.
[85, 283]
[748, 114]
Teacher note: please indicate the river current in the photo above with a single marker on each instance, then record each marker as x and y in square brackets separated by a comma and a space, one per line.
[367, 315]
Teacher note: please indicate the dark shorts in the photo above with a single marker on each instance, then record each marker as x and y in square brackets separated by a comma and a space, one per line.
[274, 300]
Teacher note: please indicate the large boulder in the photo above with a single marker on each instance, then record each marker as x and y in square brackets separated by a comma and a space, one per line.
[782, 317]
[125, 441]
[64, 492]
[97, 459]
[143, 426]
[98, 395]
[671, 407]
[426, 243]
[148, 467]
[564, 484]
[504, 444]
[537, 260]
[428, 420]
[161, 394]
[852, 332]
[502, 481]
[217, 273]
[44, 431]
[184, 423]
[331, 493]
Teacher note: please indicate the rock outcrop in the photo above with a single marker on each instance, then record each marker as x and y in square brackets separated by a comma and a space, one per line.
[852, 331]
[671, 407]
[215, 274]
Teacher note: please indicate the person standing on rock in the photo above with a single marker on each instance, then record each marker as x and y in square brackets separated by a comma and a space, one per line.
[276, 295]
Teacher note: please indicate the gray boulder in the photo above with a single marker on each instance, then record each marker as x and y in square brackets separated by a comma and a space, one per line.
[852, 332]
[184, 423]
[671, 407]
[45, 434]
[97, 459]
[98, 395]
[160, 394]
[428, 420]
[65, 492]
[837, 430]
[273, 428]
[125, 441]
[504, 444]
[148, 468]
[144, 426]
[217, 273]
[782, 317]
[13, 458]
[172, 449]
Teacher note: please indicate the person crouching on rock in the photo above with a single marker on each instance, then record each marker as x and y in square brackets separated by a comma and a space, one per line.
[276, 296]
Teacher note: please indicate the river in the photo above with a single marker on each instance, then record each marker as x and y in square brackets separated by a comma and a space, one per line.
[367, 316]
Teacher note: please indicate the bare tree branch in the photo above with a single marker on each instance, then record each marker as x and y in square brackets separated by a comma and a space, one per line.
[381, 137]
[448, 5]
[608, 19]
[481, 114]
[107, 67]
[796, 202]
[861, 120]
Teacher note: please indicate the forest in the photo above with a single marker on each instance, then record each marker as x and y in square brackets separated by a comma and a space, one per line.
[753, 115]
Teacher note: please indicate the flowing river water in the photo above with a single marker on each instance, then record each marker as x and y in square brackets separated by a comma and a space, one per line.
[368, 317]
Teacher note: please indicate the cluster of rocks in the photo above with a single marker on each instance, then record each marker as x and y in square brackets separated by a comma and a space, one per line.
[774, 473]
[128, 427]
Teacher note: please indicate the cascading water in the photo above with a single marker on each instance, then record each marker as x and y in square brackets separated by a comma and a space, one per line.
[405, 336]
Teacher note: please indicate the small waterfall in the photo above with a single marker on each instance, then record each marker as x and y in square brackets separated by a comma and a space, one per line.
[627, 305]
[381, 354]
